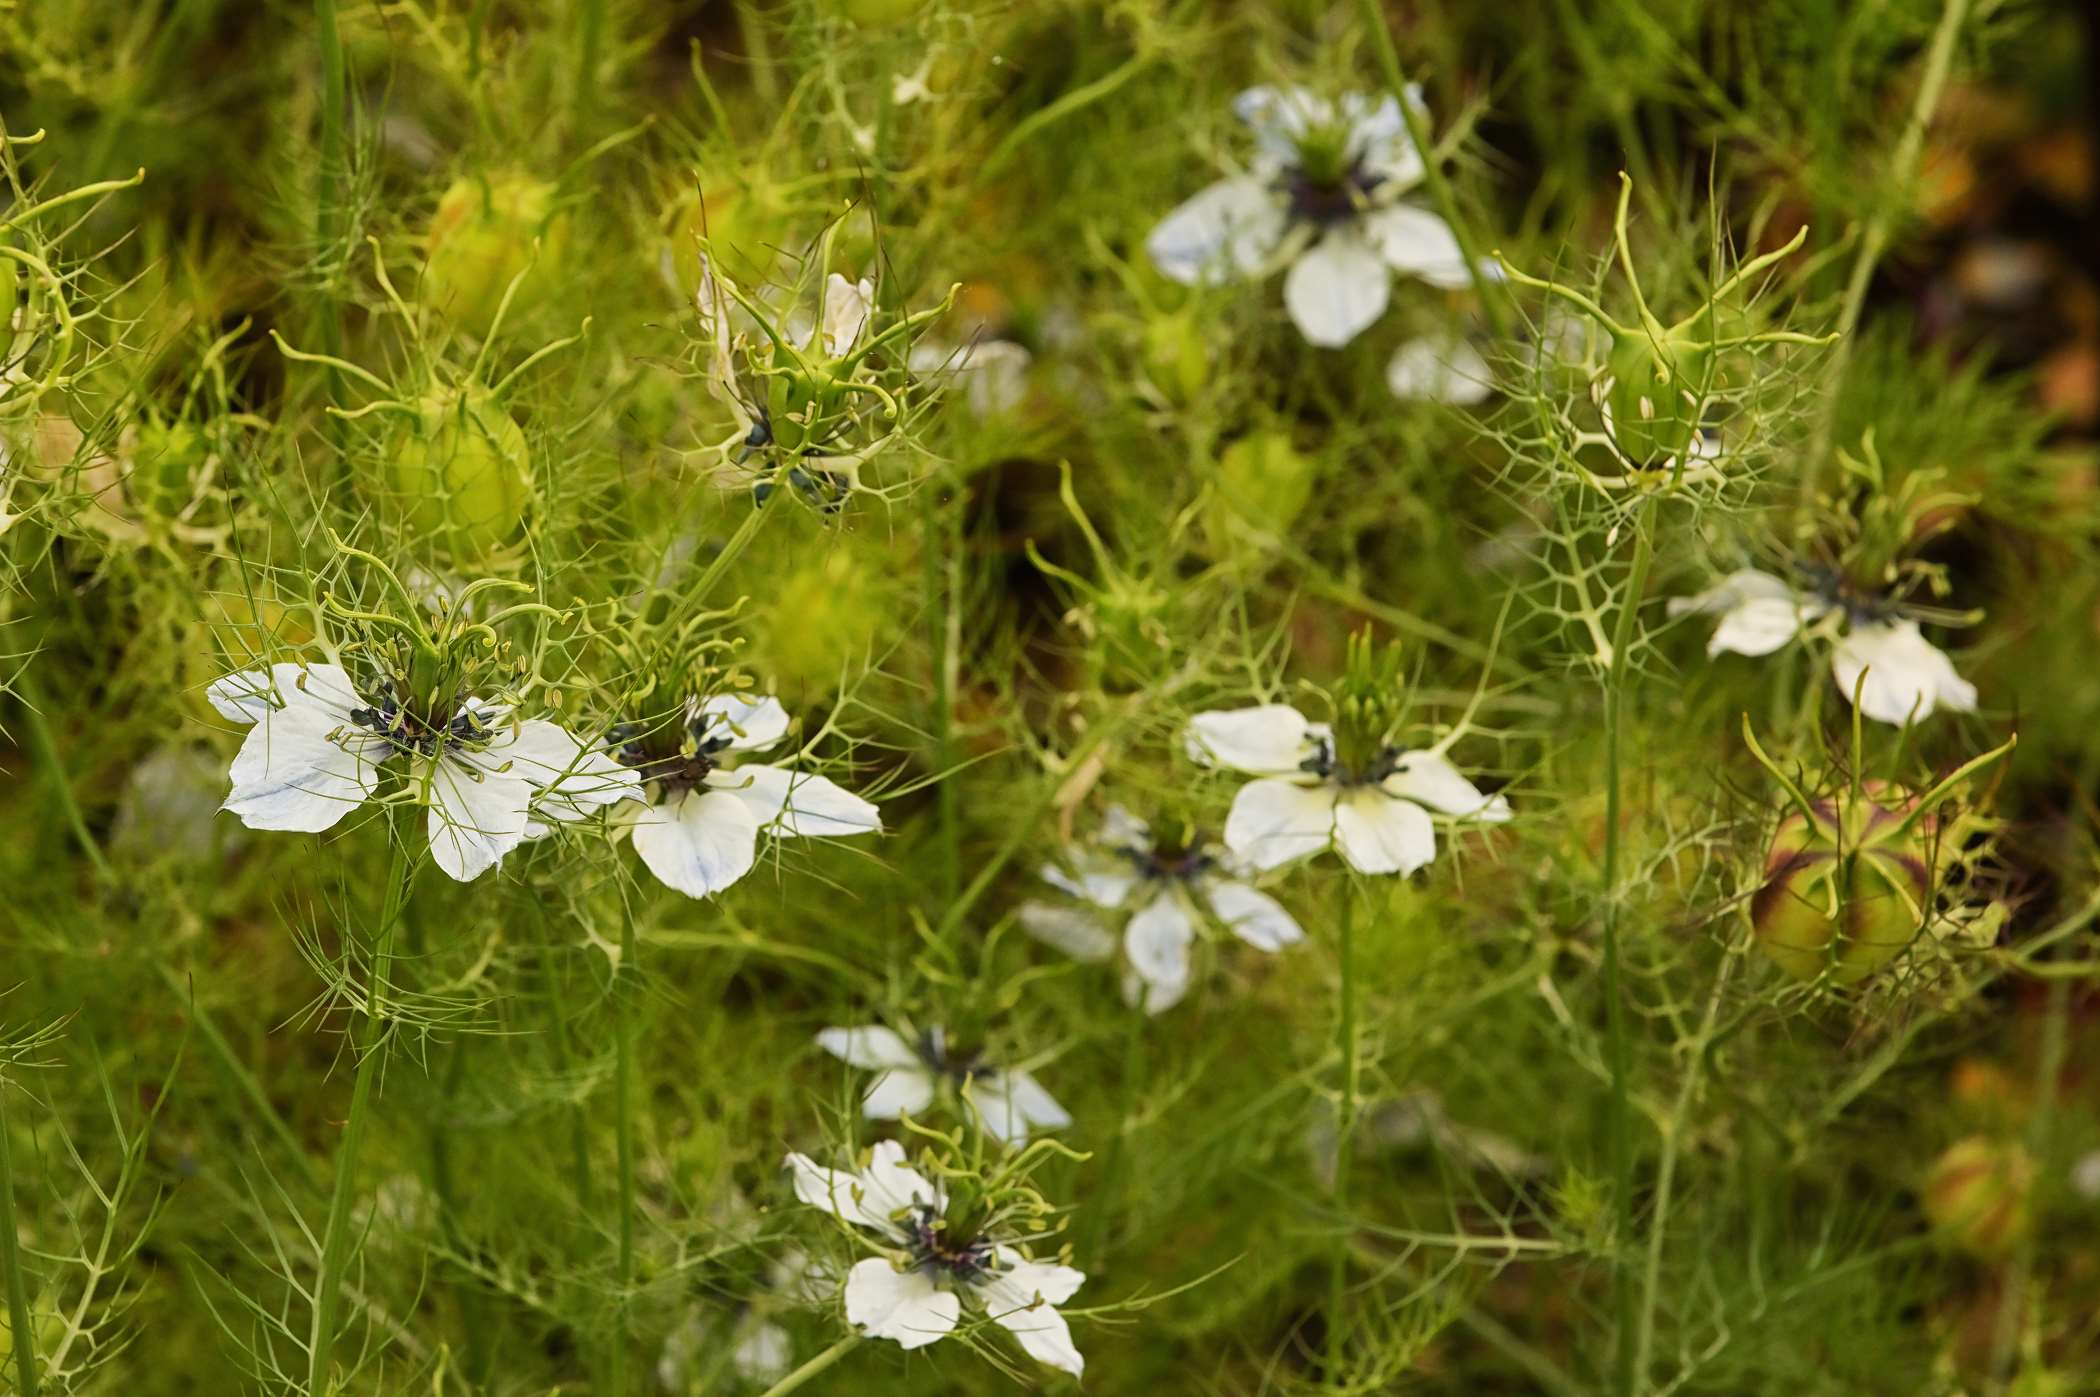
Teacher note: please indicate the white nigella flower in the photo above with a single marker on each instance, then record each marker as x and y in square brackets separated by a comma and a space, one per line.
[1306, 800]
[914, 1294]
[1011, 1104]
[1906, 676]
[1323, 197]
[1440, 370]
[703, 811]
[316, 747]
[1165, 895]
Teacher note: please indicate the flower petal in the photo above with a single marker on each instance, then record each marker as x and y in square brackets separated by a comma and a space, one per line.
[897, 1093]
[574, 778]
[1252, 915]
[297, 770]
[1279, 117]
[1222, 233]
[1744, 584]
[1103, 882]
[795, 803]
[1157, 940]
[1379, 139]
[1336, 289]
[1013, 1106]
[1907, 676]
[1415, 242]
[1023, 1298]
[1428, 779]
[904, 1307]
[1268, 740]
[1440, 370]
[1379, 833]
[698, 843]
[846, 307]
[1757, 627]
[1077, 933]
[870, 1047]
[751, 725]
[475, 817]
[1276, 820]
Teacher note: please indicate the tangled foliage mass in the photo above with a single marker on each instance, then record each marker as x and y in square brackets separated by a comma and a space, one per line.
[748, 696]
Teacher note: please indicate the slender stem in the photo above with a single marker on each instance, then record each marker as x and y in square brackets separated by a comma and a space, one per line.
[810, 1369]
[241, 1076]
[327, 216]
[1432, 173]
[592, 26]
[335, 1244]
[1939, 61]
[623, 1131]
[1666, 1170]
[1614, 991]
[11, 1263]
[2048, 1084]
[444, 1184]
[938, 566]
[44, 749]
[1344, 1125]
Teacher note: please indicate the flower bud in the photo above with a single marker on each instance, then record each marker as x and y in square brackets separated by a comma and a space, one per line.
[460, 469]
[481, 237]
[1979, 1195]
[1845, 890]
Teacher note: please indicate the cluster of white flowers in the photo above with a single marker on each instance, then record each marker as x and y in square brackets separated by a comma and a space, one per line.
[1899, 676]
[913, 1294]
[1324, 197]
[491, 781]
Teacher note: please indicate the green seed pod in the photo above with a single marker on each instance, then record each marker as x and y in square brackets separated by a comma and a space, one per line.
[462, 473]
[1264, 480]
[481, 237]
[1978, 1195]
[1176, 358]
[1845, 891]
[1657, 394]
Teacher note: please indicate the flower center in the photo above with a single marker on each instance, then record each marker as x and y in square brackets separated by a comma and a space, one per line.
[1167, 864]
[1324, 200]
[934, 1250]
[408, 732]
[1324, 764]
[957, 1067]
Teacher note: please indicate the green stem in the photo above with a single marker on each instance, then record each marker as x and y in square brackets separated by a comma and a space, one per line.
[327, 216]
[1432, 173]
[1939, 61]
[592, 26]
[444, 1184]
[1614, 991]
[938, 568]
[242, 1078]
[623, 1132]
[1344, 1127]
[1666, 1170]
[336, 1239]
[11, 1262]
[810, 1369]
[43, 749]
[2048, 1074]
